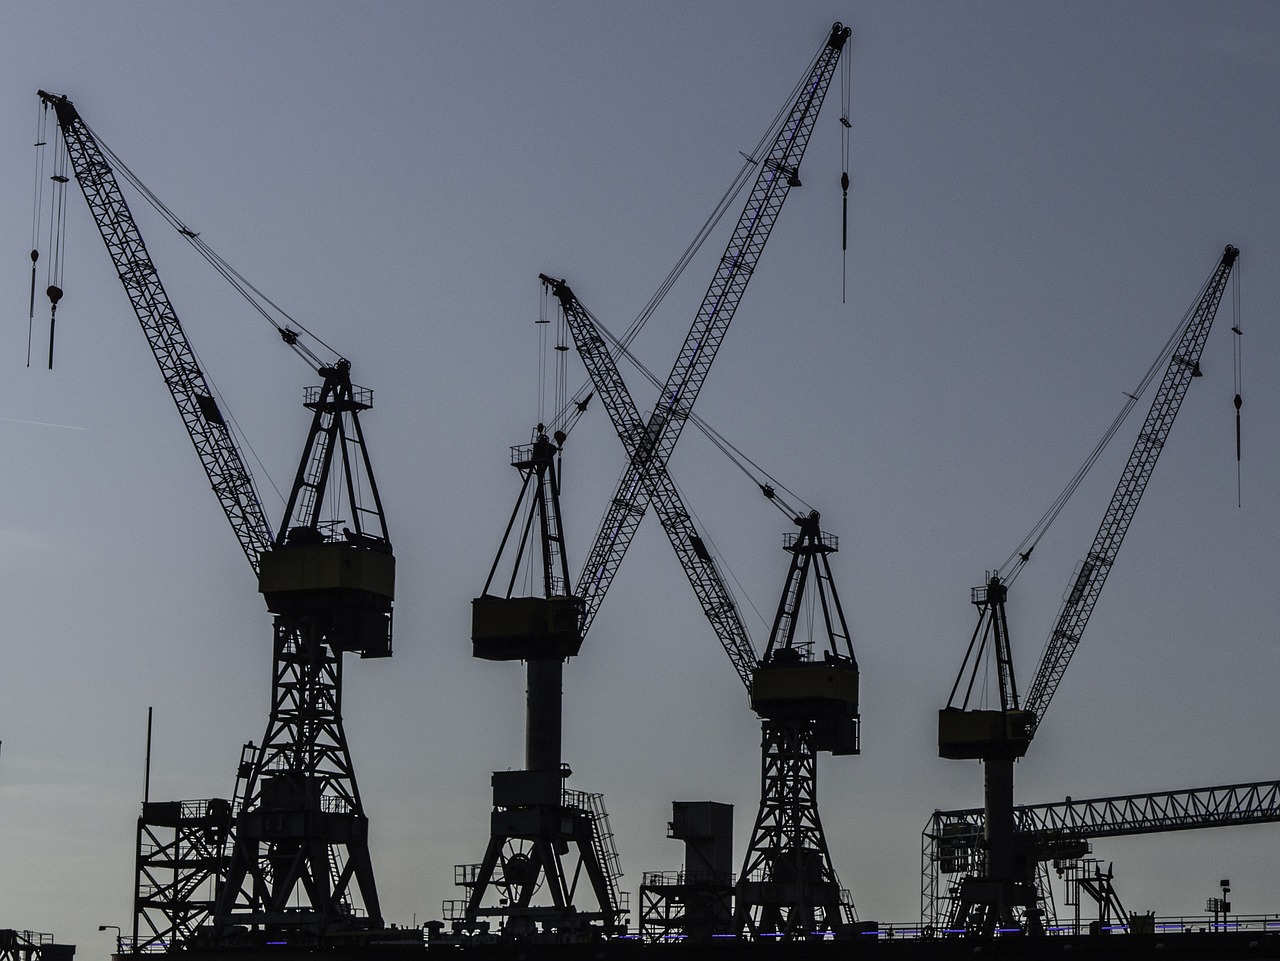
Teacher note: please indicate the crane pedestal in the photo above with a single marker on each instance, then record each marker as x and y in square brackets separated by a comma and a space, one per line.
[1002, 896]
[788, 886]
[536, 820]
[300, 848]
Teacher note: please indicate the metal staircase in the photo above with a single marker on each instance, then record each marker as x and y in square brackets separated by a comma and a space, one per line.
[602, 845]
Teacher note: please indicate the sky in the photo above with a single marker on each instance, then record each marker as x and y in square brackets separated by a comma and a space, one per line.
[1038, 192]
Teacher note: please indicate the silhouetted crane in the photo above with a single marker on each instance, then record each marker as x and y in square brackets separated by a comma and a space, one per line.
[1002, 894]
[293, 850]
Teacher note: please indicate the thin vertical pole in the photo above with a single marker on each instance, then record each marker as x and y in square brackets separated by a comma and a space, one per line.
[146, 783]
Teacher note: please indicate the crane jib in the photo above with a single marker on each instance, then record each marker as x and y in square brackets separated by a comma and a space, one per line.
[1078, 606]
[223, 464]
[645, 474]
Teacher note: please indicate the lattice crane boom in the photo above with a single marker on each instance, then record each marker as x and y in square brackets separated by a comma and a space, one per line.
[219, 455]
[779, 170]
[712, 592]
[1092, 574]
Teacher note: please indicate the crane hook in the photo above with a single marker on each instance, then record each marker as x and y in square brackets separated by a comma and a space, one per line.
[55, 295]
[31, 310]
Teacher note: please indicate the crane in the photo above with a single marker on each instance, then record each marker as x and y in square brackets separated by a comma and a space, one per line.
[295, 843]
[536, 819]
[807, 704]
[1002, 895]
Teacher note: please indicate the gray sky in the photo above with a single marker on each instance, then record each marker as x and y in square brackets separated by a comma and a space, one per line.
[1038, 192]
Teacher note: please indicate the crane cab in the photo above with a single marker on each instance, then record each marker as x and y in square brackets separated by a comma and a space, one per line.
[345, 587]
[970, 735]
[526, 628]
[823, 692]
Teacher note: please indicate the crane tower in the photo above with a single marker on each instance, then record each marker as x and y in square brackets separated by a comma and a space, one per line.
[536, 820]
[301, 830]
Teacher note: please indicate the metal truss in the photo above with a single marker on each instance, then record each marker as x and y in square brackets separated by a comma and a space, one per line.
[180, 859]
[1062, 829]
[301, 836]
[788, 885]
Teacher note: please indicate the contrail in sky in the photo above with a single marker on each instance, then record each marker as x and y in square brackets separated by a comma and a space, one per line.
[40, 423]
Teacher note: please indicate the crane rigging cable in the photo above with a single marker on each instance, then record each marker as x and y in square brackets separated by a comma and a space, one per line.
[57, 236]
[1237, 344]
[37, 207]
[846, 95]
[722, 562]
[1015, 562]
[758, 475]
[561, 375]
[289, 329]
[567, 414]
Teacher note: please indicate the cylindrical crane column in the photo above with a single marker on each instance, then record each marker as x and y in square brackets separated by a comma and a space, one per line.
[542, 715]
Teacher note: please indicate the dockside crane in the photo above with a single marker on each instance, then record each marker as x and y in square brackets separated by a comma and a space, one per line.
[289, 855]
[807, 700]
[536, 819]
[1002, 894]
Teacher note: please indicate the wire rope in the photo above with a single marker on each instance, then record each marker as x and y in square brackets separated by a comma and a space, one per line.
[1238, 369]
[770, 485]
[36, 209]
[1014, 563]
[260, 302]
[703, 532]
[723, 205]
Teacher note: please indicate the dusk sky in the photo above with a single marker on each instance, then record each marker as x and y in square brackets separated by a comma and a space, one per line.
[1038, 192]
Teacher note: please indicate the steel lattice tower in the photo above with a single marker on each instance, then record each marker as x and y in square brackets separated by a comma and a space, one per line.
[788, 884]
[299, 850]
[302, 827]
